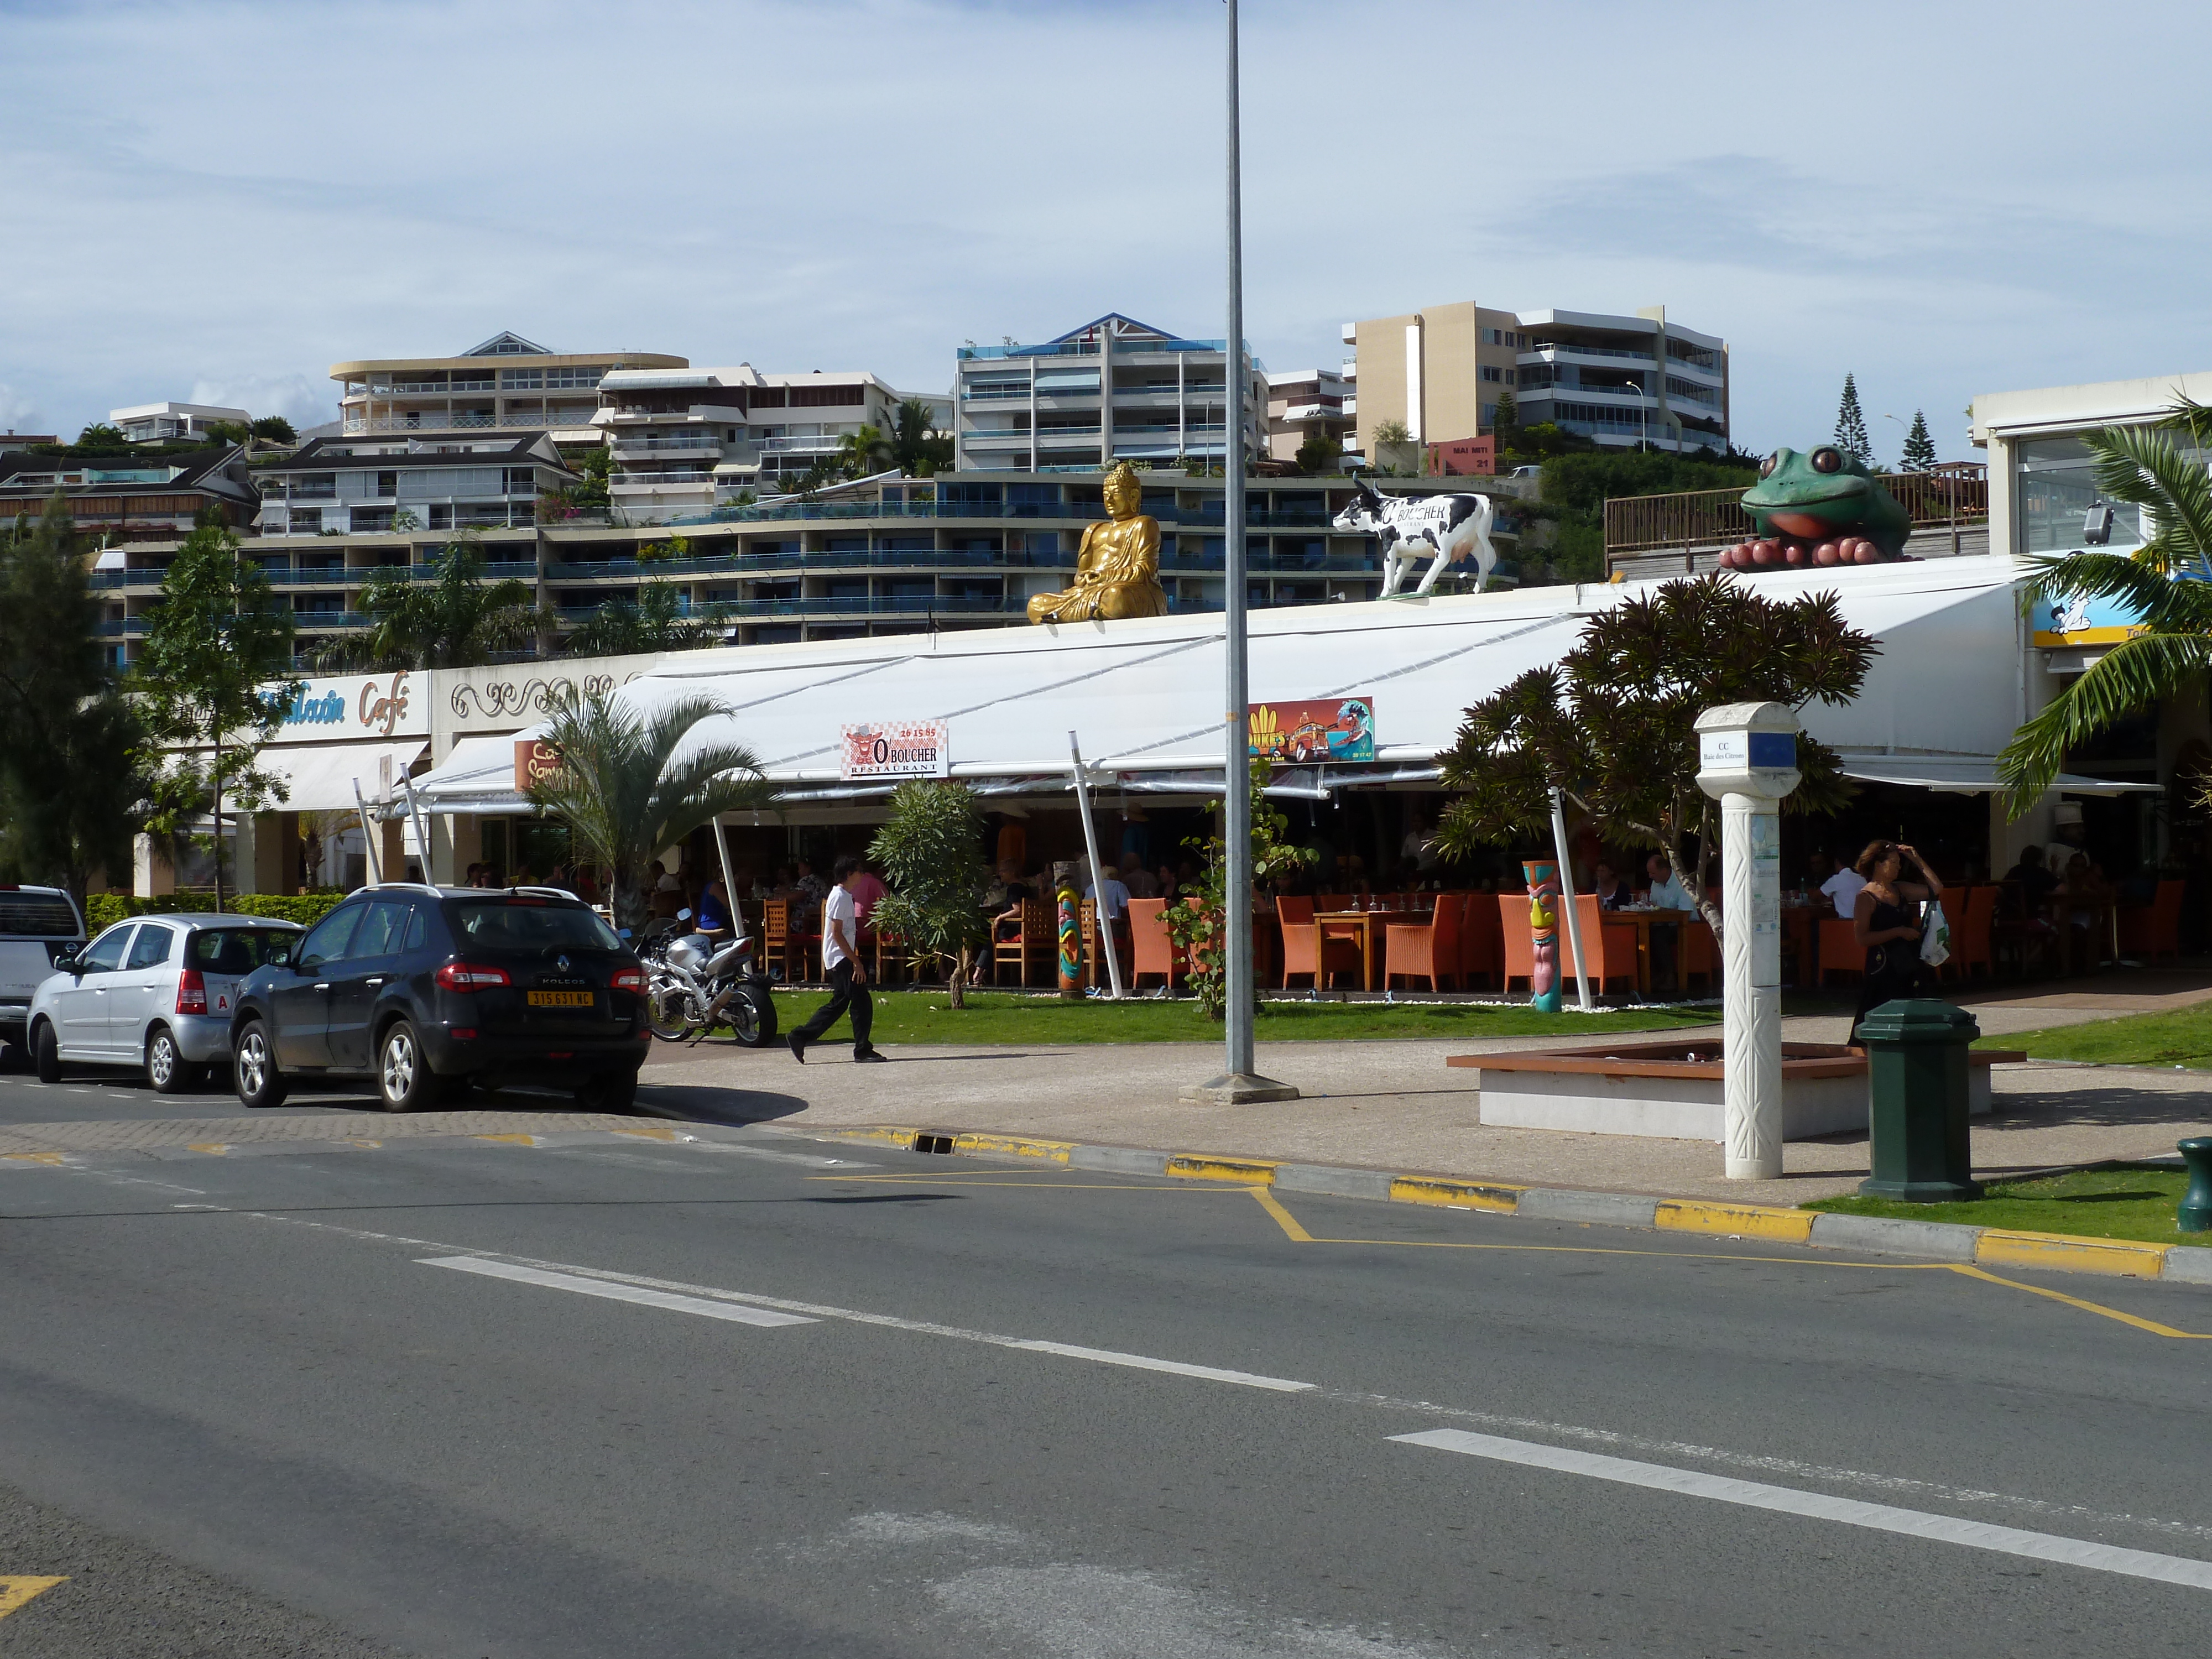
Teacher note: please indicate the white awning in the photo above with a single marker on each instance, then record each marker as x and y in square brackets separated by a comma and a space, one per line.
[320, 777]
[1968, 774]
[477, 779]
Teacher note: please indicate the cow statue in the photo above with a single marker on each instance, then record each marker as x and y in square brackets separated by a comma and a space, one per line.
[1445, 529]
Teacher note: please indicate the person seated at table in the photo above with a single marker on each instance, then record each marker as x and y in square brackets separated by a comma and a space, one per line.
[867, 890]
[1170, 887]
[1667, 893]
[1138, 879]
[1837, 885]
[2031, 879]
[713, 918]
[1611, 892]
[1003, 899]
[2082, 900]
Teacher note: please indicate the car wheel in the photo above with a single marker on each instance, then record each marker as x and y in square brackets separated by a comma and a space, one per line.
[617, 1092]
[166, 1068]
[404, 1082]
[48, 1055]
[254, 1068]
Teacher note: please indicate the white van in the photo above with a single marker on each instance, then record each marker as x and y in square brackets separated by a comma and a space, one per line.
[37, 925]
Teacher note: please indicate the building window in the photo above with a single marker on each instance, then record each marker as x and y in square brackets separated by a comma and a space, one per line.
[1490, 371]
[2057, 484]
[307, 521]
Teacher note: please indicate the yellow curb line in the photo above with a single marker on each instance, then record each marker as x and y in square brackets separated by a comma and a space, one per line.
[1055, 1151]
[1487, 1195]
[2003, 1247]
[1689, 1215]
[1242, 1172]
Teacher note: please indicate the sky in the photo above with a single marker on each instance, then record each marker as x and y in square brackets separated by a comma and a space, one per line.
[214, 201]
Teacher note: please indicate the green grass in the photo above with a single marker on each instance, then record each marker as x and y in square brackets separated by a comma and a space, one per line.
[924, 1017]
[2113, 1200]
[2181, 1038]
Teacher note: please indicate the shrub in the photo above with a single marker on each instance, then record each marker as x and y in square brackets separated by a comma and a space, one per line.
[105, 909]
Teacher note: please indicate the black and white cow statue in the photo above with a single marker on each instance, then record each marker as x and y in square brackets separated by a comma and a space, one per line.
[1443, 529]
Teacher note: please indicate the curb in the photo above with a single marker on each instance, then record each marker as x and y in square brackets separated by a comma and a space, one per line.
[1941, 1241]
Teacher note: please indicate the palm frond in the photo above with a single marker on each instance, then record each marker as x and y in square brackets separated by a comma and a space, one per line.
[2163, 604]
[2144, 465]
[2128, 679]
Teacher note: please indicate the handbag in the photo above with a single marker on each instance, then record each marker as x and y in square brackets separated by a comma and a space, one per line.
[1936, 936]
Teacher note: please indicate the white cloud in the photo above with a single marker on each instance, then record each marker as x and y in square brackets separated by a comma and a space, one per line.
[17, 412]
[1943, 200]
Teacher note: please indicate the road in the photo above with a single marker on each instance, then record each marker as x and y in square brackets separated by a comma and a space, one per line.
[593, 1392]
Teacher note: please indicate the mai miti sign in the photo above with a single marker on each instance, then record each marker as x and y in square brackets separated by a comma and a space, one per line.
[895, 749]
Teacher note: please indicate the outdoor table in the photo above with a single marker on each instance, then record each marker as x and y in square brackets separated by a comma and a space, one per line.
[1366, 926]
[1645, 921]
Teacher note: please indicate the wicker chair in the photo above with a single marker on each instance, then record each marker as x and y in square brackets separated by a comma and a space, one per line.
[1035, 938]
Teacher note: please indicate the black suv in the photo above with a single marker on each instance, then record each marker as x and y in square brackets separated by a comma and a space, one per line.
[429, 990]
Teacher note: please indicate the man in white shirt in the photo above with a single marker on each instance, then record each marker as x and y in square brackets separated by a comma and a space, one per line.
[840, 961]
[1667, 893]
[1843, 888]
[1115, 904]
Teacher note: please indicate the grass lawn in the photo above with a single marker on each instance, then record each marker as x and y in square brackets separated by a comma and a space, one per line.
[2181, 1038]
[2115, 1200]
[923, 1016]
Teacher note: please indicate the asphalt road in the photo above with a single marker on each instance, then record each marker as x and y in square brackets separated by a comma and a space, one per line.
[753, 1395]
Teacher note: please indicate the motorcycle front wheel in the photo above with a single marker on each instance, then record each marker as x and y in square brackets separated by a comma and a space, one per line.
[751, 1014]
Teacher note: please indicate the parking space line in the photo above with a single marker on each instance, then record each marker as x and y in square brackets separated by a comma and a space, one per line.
[1820, 1506]
[16, 1588]
[614, 1290]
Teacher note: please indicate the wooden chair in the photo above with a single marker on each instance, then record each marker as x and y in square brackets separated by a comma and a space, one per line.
[1701, 954]
[1035, 936]
[1296, 916]
[1971, 939]
[1153, 952]
[777, 943]
[1428, 950]
[1519, 952]
[1094, 965]
[2153, 930]
[1610, 946]
[1481, 943]
[887, 955]
[1840, 950]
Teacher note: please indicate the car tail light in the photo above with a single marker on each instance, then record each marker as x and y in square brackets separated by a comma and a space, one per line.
[191, 993]
[629, 979]
[470, 977]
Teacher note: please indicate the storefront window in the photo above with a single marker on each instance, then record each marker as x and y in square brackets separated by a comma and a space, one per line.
[2058, 486]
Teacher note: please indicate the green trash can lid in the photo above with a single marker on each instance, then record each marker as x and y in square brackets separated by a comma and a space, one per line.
[1918, 1019]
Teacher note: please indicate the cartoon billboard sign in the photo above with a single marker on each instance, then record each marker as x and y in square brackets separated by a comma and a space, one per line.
[2077, 620]
[1305, 733]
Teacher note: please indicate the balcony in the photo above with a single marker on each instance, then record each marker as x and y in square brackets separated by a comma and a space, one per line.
[981, 394]
[1552, 351]
[624, 449]
[822, 443]
[659, 480]
[437, 420]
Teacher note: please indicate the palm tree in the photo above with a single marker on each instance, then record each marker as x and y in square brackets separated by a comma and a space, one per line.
[863, 451]
[627, 791]
[456, 620]
[917, 446]
[2145, 467]
[656, 621]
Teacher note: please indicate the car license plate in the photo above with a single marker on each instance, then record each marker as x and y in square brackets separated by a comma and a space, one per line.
[560, 998]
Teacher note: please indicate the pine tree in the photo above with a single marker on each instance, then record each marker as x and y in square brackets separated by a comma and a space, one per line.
[1850, 426]
[1919, 448]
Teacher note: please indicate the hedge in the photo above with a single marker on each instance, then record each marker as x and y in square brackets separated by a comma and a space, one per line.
[105, 909]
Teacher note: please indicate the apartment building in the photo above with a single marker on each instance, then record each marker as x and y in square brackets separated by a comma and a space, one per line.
[169, 423]
[129, 498]
[1114, 390]
[1440, 371]
[1308, 405]
[685, 441]
[505, 384]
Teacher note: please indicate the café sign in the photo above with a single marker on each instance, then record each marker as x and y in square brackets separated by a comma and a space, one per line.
[895, 749]
[535, 761]
[356, 706]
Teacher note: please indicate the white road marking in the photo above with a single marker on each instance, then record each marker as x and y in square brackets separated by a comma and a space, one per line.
[737, 1313]
[1820, 1506]
[1210, 1373]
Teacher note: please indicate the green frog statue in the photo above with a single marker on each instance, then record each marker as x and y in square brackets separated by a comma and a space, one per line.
[1817, 508]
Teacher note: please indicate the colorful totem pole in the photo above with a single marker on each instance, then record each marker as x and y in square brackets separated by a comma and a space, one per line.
[1543, 879]
[1071, 940]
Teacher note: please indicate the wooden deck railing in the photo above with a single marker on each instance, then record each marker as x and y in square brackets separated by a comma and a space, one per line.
[1715, 518]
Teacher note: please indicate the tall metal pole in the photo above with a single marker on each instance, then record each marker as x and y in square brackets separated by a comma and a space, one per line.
[1098, 870]
[1238, 1081]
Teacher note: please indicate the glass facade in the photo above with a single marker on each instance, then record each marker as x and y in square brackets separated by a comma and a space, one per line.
[2057, 485]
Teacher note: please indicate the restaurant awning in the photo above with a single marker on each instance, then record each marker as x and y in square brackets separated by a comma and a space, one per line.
[1968, 774]
[477, 779]
[320, 777]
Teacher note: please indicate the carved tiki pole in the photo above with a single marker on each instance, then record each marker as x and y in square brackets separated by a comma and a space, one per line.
[1543, 879]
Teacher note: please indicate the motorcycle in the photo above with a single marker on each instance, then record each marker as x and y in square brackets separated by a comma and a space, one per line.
[693, 984]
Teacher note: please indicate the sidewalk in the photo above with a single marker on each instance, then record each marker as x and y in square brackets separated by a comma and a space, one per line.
[1393, 1105]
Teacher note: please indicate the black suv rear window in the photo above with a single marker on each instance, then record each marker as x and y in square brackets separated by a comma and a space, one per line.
[500, 923]
[38, 915]
[233, 950]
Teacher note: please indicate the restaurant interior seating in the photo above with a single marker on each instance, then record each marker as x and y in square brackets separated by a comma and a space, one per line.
[2153, 930]
[1034, 939]
[1299, 957]
[1154, 950]
[1427, 950]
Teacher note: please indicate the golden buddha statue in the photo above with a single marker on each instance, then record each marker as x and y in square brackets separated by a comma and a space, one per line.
[1117, 572]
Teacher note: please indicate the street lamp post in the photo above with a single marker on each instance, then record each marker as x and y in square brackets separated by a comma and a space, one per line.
[1237, 1083]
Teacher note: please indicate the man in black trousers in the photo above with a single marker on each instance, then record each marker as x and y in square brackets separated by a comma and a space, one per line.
[848, 981]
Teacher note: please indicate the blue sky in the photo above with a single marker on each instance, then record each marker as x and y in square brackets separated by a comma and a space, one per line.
[219, 200]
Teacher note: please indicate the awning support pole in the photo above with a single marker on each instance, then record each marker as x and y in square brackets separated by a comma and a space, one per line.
[1567, 899]
[1097, 872]
[730, 887]
[422, 827]
[368, 837]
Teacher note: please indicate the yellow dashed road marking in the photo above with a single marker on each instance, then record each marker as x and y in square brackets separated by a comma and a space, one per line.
[17, 1589]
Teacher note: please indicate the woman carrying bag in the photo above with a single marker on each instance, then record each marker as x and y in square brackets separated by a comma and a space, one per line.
[1886, 929]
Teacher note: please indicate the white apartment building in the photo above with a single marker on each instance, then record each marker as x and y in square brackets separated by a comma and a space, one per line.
[684, 441]
[155, 423]
[505, 384]
[1114, 390]
[1308, 404]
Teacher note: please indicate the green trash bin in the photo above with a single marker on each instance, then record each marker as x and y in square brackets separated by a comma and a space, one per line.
[2195, 1215]
[1916, 1089]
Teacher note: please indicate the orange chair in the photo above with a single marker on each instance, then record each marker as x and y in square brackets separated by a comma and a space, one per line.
[1154, 952]
[2153, 930]
[1426, 949]
[1840, 950]
[1972, 945]
[1481, 942]
[1035, 936]
[1519, 951]
[1297, 917]
[1701, 954]
[1610, 945]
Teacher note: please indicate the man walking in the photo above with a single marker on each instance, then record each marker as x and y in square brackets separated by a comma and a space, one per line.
[840, 961]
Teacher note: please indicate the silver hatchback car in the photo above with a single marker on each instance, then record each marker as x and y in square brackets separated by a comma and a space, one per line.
[156, 992]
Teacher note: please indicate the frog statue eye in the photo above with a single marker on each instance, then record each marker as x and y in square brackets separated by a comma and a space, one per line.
[1827, 460]
[1766, 466]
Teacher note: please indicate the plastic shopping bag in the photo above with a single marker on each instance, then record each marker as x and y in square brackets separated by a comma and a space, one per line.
[1936, 936]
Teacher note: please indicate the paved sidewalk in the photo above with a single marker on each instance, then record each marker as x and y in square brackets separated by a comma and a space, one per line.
[1393, 1105]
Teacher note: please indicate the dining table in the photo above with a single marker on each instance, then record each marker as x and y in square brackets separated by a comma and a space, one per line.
[1645, 917]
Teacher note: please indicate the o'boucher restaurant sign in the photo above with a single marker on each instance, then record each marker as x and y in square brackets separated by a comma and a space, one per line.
[895, 749]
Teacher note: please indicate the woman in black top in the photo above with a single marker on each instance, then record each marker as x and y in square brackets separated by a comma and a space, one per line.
[1886, 922]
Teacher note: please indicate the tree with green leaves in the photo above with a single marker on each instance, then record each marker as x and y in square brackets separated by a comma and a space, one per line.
[1195, 925]
[455, 620]
[631, 785]
[659, 618]
[100, 436]
[2165, 585]
[589, 494]
[863, 451]
[203, 680]
[931, 851]
[1505, 419]
[275, 429]
[1611, 725]
[1851, 425]
[70, 784]
[918, 448]
[1919, 449]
